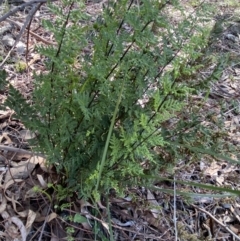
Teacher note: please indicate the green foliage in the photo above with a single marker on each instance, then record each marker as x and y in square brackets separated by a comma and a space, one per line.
[79, 218]
[3, 76]
[103, 111]
[20, 66]
[70, 232]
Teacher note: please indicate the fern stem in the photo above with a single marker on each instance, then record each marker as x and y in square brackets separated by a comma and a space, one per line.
[102, 163]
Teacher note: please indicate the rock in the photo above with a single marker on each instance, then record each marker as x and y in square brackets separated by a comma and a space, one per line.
[231, 37]
[8, 40]
[6, 28]
[21, 47]
[235, 29]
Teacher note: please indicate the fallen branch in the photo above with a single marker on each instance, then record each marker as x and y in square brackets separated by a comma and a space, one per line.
[19, 150]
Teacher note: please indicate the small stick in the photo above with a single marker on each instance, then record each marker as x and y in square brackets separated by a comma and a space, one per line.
[31, 32]
[174, 210]
[18, 150]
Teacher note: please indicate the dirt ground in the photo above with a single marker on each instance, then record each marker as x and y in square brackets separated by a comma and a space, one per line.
[27, 213]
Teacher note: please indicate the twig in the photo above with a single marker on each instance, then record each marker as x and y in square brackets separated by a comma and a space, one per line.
[31, 32]
[28, 19]
[20, 7]
[19, 150]
[45, 222]
[217, 221]
[174, 210]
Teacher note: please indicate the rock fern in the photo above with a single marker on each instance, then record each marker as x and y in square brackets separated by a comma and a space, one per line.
[131, 66]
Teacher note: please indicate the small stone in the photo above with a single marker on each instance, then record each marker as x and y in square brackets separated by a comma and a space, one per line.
[8, 40]
[21, 47]
[231, 37]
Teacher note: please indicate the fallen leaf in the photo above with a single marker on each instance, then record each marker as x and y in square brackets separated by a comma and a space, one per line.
[30, 219]
[105, 225]
[20, 226]
[213, 169]
[5, 135]
[22, 171]
[50, 217]
[27, 134]
[3, 204]
[153, 203]
[41, 181]
[41, 161]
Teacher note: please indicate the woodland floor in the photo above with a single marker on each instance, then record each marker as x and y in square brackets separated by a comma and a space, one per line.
[29, 215]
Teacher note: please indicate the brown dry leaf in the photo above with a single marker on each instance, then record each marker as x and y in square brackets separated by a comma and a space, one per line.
[5, 113]
[8, 184]
[41, 181]
[20, 226]
[237, 205]
[227, 218]
[213, 169]
[1, 178]
[41, 161]
[30, 219]
[1, 138]
[229, 168]
[31, 193]
[235, 228]
[105, 225]
[3, 204]
[151, 220]
[227, 124]
[12, 231]
[223, 236]
[13, 197]
[5, 215]
[24, 168]
[236, 212]
[49, 218]
[122, 202]
[22, 214]
[2, 234]
[6, 137]
[35, 58]
[12, 227]
[27, 134]
[153, 203]
[233, 125]
[100, 205]
[220, 180]
[19, 156]
[21, 171]
[84, 211]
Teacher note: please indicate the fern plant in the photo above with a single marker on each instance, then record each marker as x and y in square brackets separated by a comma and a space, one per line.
[102, 111]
